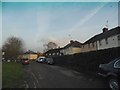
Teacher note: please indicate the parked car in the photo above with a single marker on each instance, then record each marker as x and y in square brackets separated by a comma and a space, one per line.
[25, 61]
[50, 61]
[41, 60]
[111, 71]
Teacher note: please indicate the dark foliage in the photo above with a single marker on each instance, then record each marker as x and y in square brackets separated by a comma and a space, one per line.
[88, 62]
[12, 48]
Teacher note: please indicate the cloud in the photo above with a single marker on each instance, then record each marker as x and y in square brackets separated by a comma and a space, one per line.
[87, 17]
[43, 20]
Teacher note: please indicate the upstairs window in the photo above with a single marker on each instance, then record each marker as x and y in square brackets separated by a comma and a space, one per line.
[93, 44]
[53, 53]
[89, 45]
[106, 40]
[100, 42]
[118, 37]
[83, 46]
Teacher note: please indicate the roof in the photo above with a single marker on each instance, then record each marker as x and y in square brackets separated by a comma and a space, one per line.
[54, 50]
[73, 44]
[29, 52]
[107, 34]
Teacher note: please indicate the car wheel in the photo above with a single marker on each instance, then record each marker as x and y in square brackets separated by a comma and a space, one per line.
[113, 83]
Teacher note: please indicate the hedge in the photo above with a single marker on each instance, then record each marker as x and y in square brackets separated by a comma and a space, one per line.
[87, 62]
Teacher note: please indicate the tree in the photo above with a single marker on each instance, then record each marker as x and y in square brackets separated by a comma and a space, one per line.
[49, 45]
[12, 48]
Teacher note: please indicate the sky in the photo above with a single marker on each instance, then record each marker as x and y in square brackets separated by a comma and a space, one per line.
[37, 23]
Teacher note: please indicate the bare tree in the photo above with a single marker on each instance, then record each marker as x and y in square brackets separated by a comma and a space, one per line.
[49, 45]
[12, 47]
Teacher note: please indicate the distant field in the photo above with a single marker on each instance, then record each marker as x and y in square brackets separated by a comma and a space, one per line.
[12, 75]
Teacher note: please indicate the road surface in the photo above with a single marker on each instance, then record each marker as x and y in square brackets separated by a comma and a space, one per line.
[38, 75]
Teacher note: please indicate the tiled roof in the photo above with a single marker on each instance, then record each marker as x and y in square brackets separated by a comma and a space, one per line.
[107, 34]
[54, 50]
[29, 52]
[74, 44]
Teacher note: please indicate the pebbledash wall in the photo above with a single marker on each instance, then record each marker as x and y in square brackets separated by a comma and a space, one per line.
[113, 41]
[106, 39]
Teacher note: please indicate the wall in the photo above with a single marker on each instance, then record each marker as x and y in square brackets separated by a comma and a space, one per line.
[119, 40]
[86, 48]
[70, 50]
[112, 42]
[76, 50]
[33, 56]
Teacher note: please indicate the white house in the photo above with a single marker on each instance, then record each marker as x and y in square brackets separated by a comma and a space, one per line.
[109, 39]
[71, 48]
[106, 39]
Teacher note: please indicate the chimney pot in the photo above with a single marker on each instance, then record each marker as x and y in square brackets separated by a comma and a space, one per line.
[71, 41]
[105, 30]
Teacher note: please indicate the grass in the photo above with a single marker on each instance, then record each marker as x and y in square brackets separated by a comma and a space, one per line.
[12, 75]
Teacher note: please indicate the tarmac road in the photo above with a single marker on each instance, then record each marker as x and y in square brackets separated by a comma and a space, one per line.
[38, 75]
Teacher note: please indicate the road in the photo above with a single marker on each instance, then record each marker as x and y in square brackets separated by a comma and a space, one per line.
[39, 75]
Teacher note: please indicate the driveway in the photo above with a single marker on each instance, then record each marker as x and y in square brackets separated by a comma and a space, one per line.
[38, 75]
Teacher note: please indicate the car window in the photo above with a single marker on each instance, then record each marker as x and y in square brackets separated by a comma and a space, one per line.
[117, 64]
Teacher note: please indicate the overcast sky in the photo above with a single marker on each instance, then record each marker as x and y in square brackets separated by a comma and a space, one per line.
[40, 22]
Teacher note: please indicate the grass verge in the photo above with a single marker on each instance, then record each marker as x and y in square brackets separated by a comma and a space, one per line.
[12, 75]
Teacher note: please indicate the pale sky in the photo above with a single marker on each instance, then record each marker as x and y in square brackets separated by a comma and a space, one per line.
[40, 22]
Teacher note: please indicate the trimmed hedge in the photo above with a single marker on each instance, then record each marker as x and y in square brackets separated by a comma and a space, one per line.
[87, 62]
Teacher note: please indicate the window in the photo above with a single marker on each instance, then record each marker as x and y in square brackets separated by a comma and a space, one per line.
[118, 37]
[58, 53]
[93, 44]
[83, 46]
[53, 53]
[117, 64]
[3, 53]
[100, 42]
[88, 45]
[106, 40]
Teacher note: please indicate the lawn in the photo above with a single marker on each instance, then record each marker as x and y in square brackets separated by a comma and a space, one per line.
[12, 75]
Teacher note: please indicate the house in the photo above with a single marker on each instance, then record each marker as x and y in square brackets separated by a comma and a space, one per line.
[72, 48]
[40, 54]
[29, 55]
[53, 52]
[106, 39]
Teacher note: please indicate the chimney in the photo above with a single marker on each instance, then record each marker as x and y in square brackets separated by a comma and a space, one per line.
[71, 41]
[105, 29]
